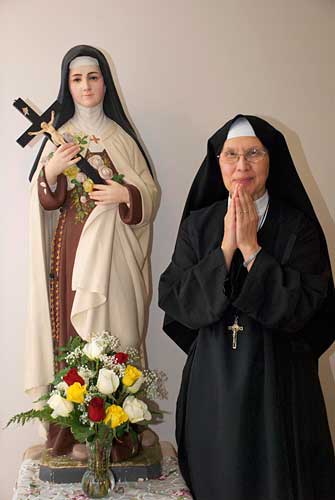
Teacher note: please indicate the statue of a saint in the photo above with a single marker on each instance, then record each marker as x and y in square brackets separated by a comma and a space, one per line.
[89, 242]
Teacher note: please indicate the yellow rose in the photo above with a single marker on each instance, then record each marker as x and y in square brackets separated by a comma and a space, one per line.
[76, 393]
[115, 416]
[130, 376]
[88, 185]
[72, 171]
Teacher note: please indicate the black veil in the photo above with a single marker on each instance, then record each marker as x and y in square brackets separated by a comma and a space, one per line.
[284, 184]
[283, 181]
[112, 105]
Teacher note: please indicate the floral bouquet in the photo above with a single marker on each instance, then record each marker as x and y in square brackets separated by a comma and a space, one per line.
[101, 395]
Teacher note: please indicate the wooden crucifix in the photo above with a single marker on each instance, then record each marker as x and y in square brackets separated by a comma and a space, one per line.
[43, 124]
[36, 120]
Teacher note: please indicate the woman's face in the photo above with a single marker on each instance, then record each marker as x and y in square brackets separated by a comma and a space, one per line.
[251, 173]
[86, 85]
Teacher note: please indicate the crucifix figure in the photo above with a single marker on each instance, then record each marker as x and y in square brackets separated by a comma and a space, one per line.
[46, 119]
[236, 329]
[47, 127]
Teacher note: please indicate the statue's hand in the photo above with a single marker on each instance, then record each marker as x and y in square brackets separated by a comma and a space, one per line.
[111, 192]
[63, 157]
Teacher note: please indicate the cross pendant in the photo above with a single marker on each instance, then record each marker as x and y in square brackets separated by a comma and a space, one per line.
[236, 329]
[94, 139]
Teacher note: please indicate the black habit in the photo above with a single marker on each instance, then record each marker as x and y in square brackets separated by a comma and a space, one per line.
[251, 422]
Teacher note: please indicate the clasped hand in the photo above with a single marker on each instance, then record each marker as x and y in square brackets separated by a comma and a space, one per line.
[240, 226]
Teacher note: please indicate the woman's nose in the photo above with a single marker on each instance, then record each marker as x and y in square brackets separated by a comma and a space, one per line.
[242, 163]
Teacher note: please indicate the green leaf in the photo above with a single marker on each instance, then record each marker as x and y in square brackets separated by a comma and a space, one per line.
[118, 178]
[72, 344]
[81, 433]
[104, 432]
[121, 429]
[133, 435]
[44, 397]
[22, 418]
[59, 376]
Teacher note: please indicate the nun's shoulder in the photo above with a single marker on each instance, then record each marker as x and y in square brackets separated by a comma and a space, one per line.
[207, 218]
[291, 217]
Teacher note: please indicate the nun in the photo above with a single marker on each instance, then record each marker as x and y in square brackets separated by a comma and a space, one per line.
[89, 243]
[248, 296]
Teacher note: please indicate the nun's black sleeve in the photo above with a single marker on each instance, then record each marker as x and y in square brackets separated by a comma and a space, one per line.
[191, 291]
[287, 296]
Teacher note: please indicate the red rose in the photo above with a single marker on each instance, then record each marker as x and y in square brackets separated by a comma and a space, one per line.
[73, 376]
[121, 357]
[96, 410]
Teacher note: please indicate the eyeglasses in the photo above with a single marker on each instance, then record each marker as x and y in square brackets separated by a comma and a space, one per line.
[252, 155]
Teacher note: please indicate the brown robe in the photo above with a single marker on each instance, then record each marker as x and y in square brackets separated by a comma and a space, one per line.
[64, 247]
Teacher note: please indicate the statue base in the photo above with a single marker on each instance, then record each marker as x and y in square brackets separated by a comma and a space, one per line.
[64, 469]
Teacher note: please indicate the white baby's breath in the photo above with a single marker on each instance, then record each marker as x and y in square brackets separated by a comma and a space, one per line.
[74, 355]
[86, 373]
[133, 353]
[154, 384]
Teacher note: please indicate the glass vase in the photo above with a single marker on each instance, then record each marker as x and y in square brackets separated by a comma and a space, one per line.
[98, 480]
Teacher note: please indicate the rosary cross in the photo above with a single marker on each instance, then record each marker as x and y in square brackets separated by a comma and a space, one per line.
[236, 329]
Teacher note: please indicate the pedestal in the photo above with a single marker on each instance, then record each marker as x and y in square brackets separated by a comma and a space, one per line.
[64, 469]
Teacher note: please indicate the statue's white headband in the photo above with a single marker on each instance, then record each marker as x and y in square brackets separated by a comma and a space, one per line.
[83, 61]
[241, 128]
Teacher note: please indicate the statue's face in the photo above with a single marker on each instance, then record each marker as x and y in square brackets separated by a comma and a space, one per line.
[86, 85]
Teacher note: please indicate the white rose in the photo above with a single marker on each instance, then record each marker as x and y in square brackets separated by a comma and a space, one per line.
[136, 386]
[93, 349]
[62, 386]
[61, 407]
[136, 409]
[108, 381]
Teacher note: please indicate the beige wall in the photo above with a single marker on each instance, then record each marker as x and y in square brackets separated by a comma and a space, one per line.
[184, 67]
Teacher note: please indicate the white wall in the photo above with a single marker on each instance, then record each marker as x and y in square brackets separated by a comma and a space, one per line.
[184, 67]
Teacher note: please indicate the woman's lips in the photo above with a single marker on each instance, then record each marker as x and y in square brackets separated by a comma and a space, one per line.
[245, 180]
